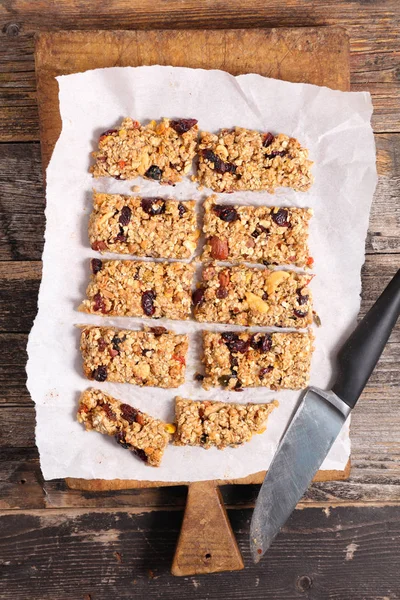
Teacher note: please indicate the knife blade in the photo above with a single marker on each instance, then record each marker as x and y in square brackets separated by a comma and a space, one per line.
[318, 421]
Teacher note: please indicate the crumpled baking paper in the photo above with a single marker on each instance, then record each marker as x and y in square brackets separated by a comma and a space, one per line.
[334, 126]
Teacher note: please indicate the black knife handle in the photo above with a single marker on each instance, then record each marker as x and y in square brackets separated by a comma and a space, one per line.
[359, 355]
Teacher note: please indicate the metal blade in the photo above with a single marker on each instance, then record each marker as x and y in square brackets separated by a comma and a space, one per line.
[300, 453]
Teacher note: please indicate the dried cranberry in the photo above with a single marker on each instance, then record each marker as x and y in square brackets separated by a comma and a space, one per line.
[121, 441]
[198, 377]
[100, 374]
[300, 313]
[301, 299]
[125, 215]
[102, 344]
[154, 172]
[268, 139]
[280, 217]
[276, 153]
[265, 371]
[219, 165]
[183, 125]
[128, 413]
[140, 454]
[222, 292]
[99, 303]
[148, 302]
[109, 132]
[96, 264]
[153, 206]
[181, 209]
[198, 296]
[226, 213]
[109, 412]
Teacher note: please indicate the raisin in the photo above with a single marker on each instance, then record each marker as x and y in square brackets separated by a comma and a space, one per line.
[222, 292]
[119, 438]
[117, 177]
[256, 233]
[198, 296]
[219, 165]
[181, 209]
[226, 213]
[109, 132]
[229, 336]
[264, 296]
[224, 380]
[182, 125]
[204, 439]
[239, 346]
[280, 217]
[99, 245]
[259, 230]
[121, 237]
[99, 303]
[140, 454]
[264, 371]
[198, 377]
[96, 265]
[238, 386]
[262, 343]
[100, 374]
[148, 303]
[158, 330]
[301, 299]
[153, 206]
[234, 363]
[300, 313]
[276, 153]
[154, 172]
[268, 139]
[125, 216]
[116, 341]
[102, 344]
[109, 412]
[128, 413]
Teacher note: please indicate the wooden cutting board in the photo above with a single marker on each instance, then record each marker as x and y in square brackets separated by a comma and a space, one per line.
[307, 55]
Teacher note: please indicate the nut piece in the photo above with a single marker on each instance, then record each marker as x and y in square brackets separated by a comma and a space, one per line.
[256, 303]
[219, 248]
[275, 279]
[170, 428]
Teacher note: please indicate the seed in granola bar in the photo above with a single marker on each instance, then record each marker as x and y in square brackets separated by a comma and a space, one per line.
[219, 165]
[198, 296]
[128, 413]
[280, 217]
[100, 374]
[96, 264]
[268, 139]
[109, 412]
[226, 213]
[119, 438]
[299, 313]
[140, 454]
[99, 303]
[183, 125]
[181, 209]
[102, 344]
[158, 330]
[148, 298]
[198, 377]
[125, 215]
[302, 299]
[154, 172]
[264, 371]
[219, 248]
[99, 245]
[153, 206]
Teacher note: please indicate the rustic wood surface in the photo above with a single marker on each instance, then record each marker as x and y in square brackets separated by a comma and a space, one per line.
[68, 552]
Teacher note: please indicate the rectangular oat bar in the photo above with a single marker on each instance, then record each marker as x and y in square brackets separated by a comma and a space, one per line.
[240, 159]
[235, 360]
[263, 234]
[133, 429]
[127, 288]
[207, 423]
[152, 357]
[143, 226]
[253, 296]
[161, 151]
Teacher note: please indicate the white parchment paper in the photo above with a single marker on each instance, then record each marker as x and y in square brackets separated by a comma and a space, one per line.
[335, 126]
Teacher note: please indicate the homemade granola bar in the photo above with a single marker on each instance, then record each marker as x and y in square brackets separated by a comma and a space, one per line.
[240, 159]
[207, 423]
[263, 234]
[125, 288]
[143, 226]
[235, 360]
[133, 429]
[152, 357]
[161, 151]
[253, 296]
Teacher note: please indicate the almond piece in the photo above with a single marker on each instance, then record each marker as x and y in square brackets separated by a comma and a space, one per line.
[275, 279]
[223, 278]
[219, 248]
[256, 303]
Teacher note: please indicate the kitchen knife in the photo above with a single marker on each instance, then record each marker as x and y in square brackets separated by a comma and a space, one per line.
[318, 421]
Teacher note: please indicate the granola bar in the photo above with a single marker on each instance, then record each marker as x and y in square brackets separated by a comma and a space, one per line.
[263, 234]
[143, 226]
[235, 360]
[152, 357]
[161, 151]
[252, 296]
[208, 423]
[133, 429]
[240, 159]
[126, 288]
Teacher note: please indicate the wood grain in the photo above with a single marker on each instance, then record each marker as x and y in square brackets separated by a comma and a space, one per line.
[342, 553]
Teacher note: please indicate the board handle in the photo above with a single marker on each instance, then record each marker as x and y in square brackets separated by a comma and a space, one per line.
[206, 542]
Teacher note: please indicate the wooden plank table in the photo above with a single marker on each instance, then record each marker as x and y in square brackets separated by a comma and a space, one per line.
[60, 543]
